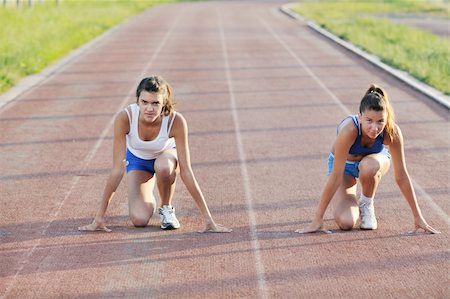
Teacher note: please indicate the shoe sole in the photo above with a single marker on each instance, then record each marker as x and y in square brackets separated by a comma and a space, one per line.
[368, 228]
[363, 228]
[169, 227]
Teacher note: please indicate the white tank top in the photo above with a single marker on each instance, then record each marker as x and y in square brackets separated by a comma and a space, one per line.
[148, 150]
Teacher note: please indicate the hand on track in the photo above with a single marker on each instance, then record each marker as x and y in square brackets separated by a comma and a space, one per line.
[216, 228]
[314, 227]
[422, 224]
[95, 226]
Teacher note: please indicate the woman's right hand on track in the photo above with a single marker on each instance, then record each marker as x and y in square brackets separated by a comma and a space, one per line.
[314, 227]
[96, 225]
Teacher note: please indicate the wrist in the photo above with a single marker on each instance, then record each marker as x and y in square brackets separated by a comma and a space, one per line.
[209, 221]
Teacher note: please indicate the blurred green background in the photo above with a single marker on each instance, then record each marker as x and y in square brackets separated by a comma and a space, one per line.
[33, 36]
[411, 35]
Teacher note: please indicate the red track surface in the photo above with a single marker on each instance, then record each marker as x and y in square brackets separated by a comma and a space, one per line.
[262, 95]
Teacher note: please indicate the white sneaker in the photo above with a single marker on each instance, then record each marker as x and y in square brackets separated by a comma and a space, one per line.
[368, 219]
[168, 218]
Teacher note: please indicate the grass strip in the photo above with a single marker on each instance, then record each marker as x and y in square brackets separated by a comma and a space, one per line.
[418, 52]
[33, 37]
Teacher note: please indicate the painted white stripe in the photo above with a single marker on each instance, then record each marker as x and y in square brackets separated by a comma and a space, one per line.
[421, 193]
[87, 160]
[429, 199]
[304, 66]
[244, 173]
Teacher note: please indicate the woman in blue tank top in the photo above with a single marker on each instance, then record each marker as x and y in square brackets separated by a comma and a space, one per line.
[359, 152]
[151, 139]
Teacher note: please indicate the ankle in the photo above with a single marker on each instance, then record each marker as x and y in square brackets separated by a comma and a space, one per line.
[365, 200]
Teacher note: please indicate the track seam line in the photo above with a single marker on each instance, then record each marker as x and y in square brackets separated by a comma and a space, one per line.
[88, 159]
[437, 209]
[244, 172]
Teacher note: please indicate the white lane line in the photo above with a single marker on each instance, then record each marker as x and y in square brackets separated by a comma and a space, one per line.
[244, 173]
[304, 66]
[87, 160]
[438, 210]
[429, 200]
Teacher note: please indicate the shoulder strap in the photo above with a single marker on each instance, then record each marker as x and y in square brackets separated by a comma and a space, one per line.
[129, 113]
[356, 123]
[171, 122]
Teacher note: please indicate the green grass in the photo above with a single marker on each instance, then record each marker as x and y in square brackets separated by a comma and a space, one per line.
[418, 52]
[33, 37]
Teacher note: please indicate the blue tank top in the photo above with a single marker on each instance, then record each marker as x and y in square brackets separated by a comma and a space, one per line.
[356, 148]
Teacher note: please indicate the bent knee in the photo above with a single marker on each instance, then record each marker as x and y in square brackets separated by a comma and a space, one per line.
[346, 222]
[370, 170]
[139, 220]
[164, 174]
[346, 225]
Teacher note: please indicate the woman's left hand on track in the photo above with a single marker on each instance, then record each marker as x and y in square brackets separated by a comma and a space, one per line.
[422, 224]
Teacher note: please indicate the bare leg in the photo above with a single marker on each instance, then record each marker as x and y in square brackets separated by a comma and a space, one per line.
[371, 169]
[346, 212]
[165, 168]
[141, 202]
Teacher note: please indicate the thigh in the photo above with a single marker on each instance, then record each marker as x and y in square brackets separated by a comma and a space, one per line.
[140, 189]
[345, 200]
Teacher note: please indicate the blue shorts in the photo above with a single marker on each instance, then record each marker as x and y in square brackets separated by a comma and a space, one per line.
[352, 167]
[136, 163]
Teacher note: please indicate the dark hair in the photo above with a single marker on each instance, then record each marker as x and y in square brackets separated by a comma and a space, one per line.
[158, 85]
[377, 99]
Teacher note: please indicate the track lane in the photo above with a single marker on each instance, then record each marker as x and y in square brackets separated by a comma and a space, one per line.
[285, 121]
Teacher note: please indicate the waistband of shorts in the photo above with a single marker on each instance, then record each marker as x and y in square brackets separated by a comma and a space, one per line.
[346, 161]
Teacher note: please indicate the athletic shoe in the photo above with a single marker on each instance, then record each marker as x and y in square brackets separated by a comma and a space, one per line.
[368, 219]
[168, 218]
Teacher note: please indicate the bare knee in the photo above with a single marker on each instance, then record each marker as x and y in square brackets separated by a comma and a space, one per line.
[165, 175]
[140, 213]
[345, 223]
[165, 169]
[139, 220]
[346, 220]
[369, 170]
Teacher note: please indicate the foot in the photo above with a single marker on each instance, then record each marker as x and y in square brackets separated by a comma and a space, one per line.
[168, 218]
[368, 219]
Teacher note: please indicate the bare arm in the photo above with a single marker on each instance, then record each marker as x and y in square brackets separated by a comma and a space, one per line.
[121, 128]
[180, 133]
[402, 178]
[344, 141]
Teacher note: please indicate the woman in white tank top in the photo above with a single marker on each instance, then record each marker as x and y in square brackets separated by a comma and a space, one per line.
[150, 138]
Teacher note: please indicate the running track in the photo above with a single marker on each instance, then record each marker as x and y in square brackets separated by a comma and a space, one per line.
[262, 95]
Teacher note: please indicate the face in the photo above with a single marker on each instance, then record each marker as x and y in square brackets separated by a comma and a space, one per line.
[150, 105]
[372, 122]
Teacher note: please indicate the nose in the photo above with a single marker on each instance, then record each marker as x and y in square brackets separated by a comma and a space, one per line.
[150, 108]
